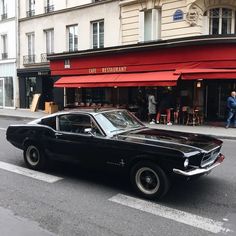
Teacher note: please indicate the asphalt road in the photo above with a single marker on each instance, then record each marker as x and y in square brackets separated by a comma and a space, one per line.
[86, 202]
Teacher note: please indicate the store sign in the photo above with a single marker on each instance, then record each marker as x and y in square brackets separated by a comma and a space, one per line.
[116, 69]
[178, 15]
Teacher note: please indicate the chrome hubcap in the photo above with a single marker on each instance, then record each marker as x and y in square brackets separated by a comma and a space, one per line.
[147, 180]
[32, 155]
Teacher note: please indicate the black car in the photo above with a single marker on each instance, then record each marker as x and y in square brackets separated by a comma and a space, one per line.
[116, 139]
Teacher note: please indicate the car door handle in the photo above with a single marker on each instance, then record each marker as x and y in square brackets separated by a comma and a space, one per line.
[58, 134]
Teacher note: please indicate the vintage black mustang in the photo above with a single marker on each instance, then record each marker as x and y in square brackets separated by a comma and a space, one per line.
[116, 139]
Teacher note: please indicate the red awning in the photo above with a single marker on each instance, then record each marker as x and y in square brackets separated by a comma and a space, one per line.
[162, 78]
[191, 74]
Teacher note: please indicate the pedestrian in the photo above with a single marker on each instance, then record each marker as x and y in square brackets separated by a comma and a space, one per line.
[165, 106]
[231, 106]
[151, 107]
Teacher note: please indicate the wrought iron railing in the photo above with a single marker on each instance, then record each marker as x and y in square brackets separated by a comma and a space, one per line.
[30, 13]
[4, 55]
[44, 57]
[29, 59]
[49, 8]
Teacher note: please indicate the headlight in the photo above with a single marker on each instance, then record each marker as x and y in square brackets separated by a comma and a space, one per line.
[186, 162]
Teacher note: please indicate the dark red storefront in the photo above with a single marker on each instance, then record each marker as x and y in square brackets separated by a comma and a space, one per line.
[193, 68]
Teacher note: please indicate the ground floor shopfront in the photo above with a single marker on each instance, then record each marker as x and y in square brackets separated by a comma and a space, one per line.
[198, 75]
[34, 81]
[8, 84]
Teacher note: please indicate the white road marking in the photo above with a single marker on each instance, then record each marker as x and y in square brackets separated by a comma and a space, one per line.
[170, 213]
[29, 173]
[4, 129]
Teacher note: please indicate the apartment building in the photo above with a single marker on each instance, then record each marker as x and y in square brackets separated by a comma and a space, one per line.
[65, 26]
[8, 79]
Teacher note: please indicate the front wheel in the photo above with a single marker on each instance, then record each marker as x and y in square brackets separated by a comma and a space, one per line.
[34, 157]
[149, 180]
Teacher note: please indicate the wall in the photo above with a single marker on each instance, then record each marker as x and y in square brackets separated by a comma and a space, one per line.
[130, 20]
[109, 12]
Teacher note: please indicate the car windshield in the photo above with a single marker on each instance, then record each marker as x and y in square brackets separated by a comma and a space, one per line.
[116, 121]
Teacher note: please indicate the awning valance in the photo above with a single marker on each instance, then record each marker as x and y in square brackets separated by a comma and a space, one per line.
[192, 74]
[157, 78]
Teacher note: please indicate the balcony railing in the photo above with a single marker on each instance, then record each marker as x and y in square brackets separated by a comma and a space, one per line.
[49, 8]
[4, 55]
[44, 57]
[29, 59]
[4, 16]
[30, 13]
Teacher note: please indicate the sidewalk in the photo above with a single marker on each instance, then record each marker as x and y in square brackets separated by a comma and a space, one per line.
[219, 132]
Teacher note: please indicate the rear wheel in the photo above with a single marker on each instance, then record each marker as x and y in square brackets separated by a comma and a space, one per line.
[149, 180]
[34, 157]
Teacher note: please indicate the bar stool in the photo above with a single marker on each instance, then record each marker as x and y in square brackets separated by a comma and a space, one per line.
[163, 119]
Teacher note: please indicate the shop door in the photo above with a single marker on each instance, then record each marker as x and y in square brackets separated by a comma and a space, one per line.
[30, 90]
[216, 97]
[1, 92]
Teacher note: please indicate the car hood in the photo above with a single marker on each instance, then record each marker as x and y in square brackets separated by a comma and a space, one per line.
[182, 141]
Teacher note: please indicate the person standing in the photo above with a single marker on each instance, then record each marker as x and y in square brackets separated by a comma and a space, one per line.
[165, 106]
[231, 105]
[151, 107]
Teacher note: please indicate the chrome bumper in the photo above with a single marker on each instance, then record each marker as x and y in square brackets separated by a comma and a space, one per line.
[200, 171]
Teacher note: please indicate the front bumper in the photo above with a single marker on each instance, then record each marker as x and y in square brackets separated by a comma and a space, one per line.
[201, 171]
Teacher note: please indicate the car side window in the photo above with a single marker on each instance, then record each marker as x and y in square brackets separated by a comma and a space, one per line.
[77, 123]
[51, 122]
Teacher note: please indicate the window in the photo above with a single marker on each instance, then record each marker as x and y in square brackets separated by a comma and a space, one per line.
[78, 124]
[221, 21]
[4, 46]
[49, 34]
[98, 34]
[3, 10]
[150, 25]
[49, 7]
[72, 37]
[31, 8]
[51, 122]
[31, 47]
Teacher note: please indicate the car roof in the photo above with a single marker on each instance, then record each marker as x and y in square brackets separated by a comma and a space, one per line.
[83, 111]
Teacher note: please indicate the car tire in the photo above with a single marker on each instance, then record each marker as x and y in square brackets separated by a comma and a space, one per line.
[34, 157]
[149, 180]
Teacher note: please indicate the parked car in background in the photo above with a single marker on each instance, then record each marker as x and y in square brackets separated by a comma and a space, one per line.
[116, 139]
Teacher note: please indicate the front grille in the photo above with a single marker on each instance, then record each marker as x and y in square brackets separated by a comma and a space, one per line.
[210, 157]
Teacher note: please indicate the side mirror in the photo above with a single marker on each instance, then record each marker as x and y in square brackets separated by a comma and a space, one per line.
[88, 131]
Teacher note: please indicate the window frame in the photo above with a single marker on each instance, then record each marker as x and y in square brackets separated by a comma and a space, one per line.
[220, 26]
[98, 35]
[49, 40]
[72, 46]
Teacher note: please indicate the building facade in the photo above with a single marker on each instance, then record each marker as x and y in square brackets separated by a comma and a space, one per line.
[175, 31]
[8, 54]
[95, 52]
[47, 27]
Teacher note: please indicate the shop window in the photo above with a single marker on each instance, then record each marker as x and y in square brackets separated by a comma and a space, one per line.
[98, 34]
[6, 92]
[72, 37]
[220, 21]
[150, 25]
